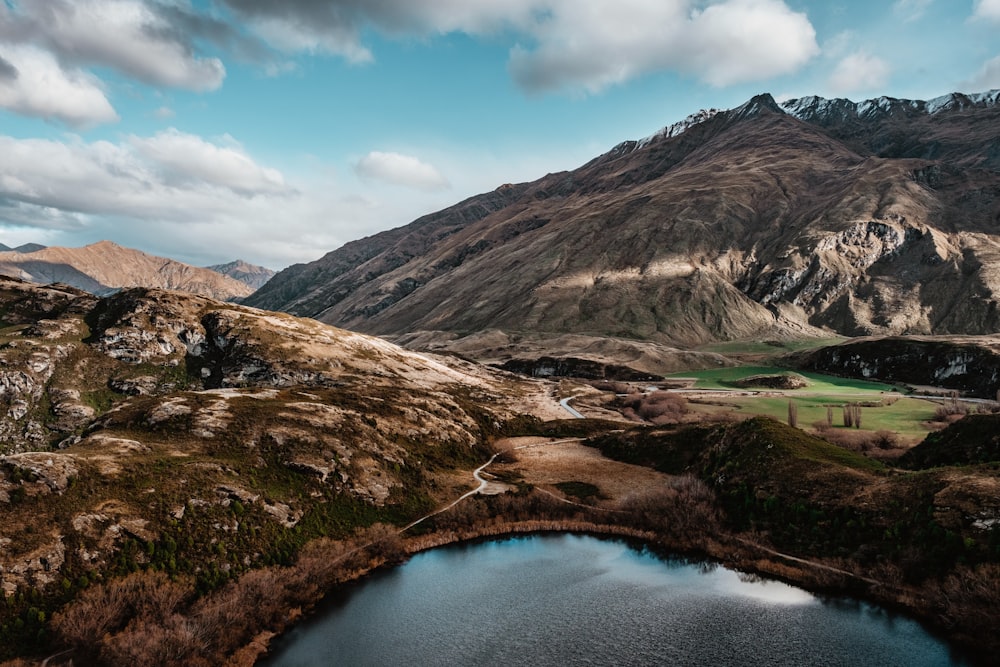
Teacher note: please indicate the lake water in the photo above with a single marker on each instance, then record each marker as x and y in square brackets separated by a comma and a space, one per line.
[573, 600]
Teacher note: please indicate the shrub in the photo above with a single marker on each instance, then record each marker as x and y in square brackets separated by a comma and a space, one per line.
[657, 407]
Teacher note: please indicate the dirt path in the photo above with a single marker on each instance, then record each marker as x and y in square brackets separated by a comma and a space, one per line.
[803, 561]
[483, 485]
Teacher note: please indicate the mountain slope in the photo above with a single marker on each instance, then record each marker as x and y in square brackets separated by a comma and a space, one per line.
[250, 274]
[103, 267]
[761, 221]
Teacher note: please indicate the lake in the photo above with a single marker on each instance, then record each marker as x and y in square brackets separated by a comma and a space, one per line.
[576, 600]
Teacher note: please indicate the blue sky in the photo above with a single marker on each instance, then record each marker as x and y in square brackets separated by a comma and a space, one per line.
[207, 130]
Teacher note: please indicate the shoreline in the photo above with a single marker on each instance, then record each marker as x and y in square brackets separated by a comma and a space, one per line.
[819, 582]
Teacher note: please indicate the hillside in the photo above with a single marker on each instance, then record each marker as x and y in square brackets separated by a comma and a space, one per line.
[104, 267]
[166, 431]
[765, 221]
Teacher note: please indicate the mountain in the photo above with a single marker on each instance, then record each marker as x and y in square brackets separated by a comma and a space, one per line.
[250, 274]
[766, 221]
[104, 267]
[27, 247]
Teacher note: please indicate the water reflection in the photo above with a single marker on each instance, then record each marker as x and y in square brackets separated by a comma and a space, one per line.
[571, 600]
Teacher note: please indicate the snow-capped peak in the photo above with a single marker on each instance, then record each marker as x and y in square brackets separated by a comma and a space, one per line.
[679, 127]
[812, 107]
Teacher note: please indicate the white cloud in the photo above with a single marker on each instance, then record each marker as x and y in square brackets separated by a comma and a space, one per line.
[987, 78]
[185, 158]
[183, 196]
[911, 10]
[397, 169]
[747, 40]
[75, 192]
[859, 72]
[127, 35]
[566, 44]
[336, 27]
[36, 85]
[164, 113]
[987, 10]
[138, 178]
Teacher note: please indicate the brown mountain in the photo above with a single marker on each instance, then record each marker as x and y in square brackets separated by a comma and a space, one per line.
[105, 267]
[765, 221]
[250, 274]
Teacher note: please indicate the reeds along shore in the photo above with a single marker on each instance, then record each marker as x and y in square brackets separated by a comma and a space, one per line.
[147, 618]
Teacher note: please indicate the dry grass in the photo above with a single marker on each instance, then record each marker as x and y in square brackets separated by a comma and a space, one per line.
[544, 462]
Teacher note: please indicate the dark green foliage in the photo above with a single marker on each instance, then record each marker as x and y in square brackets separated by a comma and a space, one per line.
[797, 489]
[973, 439]
[581, 490]
[565, 428]
[672, 451]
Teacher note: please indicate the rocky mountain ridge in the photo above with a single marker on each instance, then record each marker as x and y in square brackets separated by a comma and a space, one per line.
[764, 221]
[105, 267]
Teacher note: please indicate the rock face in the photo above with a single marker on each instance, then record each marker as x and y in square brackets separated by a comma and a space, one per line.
[762, 221]
[968, 366]
[103, 268]
[249, 274]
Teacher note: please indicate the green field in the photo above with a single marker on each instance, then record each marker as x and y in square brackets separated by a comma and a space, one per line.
[897, 413]
[722, 378]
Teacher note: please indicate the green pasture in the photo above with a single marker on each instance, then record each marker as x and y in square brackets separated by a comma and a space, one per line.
[722, 378]
[905, 417]
[889, 410]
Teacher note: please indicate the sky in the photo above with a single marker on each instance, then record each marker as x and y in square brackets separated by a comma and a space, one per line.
[275, 131]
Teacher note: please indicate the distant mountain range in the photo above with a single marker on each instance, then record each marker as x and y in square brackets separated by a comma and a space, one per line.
[764, 221]
[27, 247]
[105, 267]
[250, 274]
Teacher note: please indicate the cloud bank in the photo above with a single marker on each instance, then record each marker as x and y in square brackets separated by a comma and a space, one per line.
[47, 47]
[397, 169]
[565, 44]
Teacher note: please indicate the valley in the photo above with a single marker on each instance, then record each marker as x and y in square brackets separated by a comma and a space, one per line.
[180, 454]
[765, 339]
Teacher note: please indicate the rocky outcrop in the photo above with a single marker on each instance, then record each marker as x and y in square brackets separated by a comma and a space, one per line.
[545, 367]
[968, 366]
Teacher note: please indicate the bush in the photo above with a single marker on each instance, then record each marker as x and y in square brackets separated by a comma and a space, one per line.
[657, 407]
[859, 441]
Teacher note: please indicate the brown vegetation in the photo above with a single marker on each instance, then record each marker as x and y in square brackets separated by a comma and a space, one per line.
[865, 442]
[852, 415]
[793, 414]
[657, 407]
